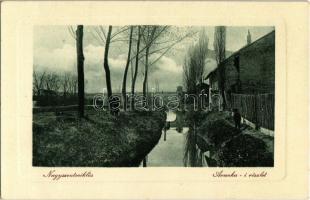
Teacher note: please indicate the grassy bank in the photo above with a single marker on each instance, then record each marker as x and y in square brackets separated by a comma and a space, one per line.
[98, 140]
[230, 147]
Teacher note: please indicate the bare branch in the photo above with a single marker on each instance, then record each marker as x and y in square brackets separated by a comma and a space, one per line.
[71, 32]
[123, 29]
[99, 35]
[103, 32]
[172, 45]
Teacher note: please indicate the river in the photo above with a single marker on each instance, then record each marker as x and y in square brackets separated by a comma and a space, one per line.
[168, 153]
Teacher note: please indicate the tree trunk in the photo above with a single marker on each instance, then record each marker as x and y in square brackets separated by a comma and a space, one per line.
[146, 71]
[219, 46]
[165, 133]
[221, 71]
[126, 70]
[131, 69]
[136, 69]
[106, 63]
[80, 69]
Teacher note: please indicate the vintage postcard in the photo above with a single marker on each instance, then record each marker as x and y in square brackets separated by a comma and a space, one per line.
[154, 100]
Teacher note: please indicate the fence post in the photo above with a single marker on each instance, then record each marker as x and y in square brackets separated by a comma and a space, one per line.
[256, 111]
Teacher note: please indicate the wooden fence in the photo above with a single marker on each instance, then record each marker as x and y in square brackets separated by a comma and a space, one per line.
[258, 109]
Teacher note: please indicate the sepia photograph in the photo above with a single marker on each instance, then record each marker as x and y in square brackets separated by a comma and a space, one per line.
[154, 100]
[153, 96]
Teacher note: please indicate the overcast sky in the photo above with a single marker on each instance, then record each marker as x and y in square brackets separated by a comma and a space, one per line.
[54, 50]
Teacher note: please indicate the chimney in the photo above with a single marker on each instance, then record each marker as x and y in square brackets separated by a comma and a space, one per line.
[249, 40]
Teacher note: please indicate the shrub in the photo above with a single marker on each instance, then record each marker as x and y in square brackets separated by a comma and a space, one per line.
[245, 151]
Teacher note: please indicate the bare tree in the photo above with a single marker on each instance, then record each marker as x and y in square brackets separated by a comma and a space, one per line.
[73, 82]
[194, 71]
[106, 38]
[80, 68]
[52, 82]
[202, 51]
[152, 43]
[150, 40]
[194, 64]
[78, 37]
[69, 84]
[131, 68]
[106, 62]
[38, 81]
[158, 41]
[65, 84]
[126, 69]
[219, 48]
[189, 75]
[133, 83]
[150, 35]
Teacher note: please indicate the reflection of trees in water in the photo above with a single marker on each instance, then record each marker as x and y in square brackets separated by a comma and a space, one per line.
[190, 151]
[193, 157]
[179, 121]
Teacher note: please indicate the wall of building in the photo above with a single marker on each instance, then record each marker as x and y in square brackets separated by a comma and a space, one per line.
[256, 70]
[213, 80]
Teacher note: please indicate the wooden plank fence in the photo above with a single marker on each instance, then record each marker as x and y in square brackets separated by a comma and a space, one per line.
[258, 108]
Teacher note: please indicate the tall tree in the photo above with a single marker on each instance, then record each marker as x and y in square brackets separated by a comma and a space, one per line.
[194, 64]
[146, 69]
[80, 69]
[150, 35]
[219, 48]
[158, 41]
[106, 62]
[126, 69]
[133, 83]
[194, 71]
[106, 38]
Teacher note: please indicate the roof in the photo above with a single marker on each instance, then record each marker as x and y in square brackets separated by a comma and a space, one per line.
[247, 46]
[213, 71]
[203, 84]
[243, 48]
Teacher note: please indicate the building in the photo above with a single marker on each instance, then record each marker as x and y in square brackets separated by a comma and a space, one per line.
[250, 70]
[248, 76]
[212, 80]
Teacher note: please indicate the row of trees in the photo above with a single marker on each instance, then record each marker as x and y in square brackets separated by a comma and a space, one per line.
[65, 84]
[194, 66]
[219, 46]
[194, 69]
[147, 44]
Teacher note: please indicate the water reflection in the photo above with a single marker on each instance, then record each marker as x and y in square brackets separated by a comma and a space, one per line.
[171, 116]
[193, 156]
[178, 145]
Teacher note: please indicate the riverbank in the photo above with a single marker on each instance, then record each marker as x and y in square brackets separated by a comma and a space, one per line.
[98, 140]
[230, 147]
